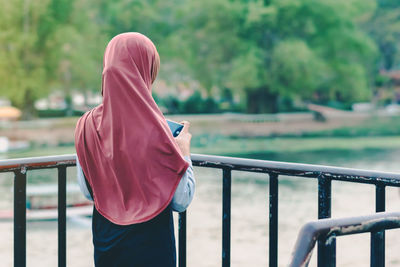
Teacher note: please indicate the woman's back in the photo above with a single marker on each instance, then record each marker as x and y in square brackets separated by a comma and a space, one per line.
[135, 170]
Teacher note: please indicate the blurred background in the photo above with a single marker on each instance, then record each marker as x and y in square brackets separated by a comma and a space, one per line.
[310, 81]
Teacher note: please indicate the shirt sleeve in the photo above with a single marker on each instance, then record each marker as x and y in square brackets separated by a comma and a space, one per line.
[185, 191]
[81, 180]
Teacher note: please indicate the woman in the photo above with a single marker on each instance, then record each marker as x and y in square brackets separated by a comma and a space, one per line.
[129, 163]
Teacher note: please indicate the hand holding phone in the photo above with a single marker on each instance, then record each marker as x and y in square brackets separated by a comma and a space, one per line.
[184, 138]
[175, 127]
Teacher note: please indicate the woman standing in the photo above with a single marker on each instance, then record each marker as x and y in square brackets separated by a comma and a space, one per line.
[129, 163]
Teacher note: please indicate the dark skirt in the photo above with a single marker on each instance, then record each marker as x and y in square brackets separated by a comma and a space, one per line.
[148, 244]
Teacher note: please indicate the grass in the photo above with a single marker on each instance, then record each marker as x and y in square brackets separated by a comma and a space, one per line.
[290, 144]
[376, 126]
[320, 150]
[40, 151]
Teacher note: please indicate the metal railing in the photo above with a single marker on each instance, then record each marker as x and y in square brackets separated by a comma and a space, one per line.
[324, 174]
[329, 229]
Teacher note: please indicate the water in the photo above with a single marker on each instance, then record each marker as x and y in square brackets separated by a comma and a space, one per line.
[297, 205]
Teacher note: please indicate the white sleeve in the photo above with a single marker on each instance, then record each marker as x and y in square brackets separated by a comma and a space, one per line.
[185, 191]
[81, 180]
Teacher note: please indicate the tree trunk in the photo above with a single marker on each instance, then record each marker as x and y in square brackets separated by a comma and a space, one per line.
[260, 100]
[70, 108]
[28, 108]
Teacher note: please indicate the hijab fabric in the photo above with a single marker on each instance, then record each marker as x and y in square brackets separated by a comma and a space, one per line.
[124, 145]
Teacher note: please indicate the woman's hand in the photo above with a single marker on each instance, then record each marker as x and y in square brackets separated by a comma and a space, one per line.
[183, 139]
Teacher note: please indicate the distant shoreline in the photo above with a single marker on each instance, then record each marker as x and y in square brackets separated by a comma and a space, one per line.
[61, 130]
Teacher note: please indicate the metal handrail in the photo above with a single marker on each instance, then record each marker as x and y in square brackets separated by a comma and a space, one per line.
[329, 229]
[239, 164]
[324, 174]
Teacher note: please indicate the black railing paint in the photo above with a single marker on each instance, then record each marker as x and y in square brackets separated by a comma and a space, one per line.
[273, 220]
[326, 253]
[62, 216]
[329, 229]
[20, 218]
[226, 217]
[378, 238]
[324, 174]
[182, 239]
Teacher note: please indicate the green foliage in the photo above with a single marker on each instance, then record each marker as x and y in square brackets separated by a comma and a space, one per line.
[296, 69]
[373, 127]
[207, 39]
[384, 27]
[192, 105]
[47, 45]
[262, 51]
[53, 113]
[197, 104]
[289, 47]
[247, 70]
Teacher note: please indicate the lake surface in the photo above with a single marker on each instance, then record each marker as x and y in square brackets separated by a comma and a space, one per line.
[297, 205]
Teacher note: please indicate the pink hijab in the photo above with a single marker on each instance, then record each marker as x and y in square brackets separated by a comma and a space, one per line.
[125, 147]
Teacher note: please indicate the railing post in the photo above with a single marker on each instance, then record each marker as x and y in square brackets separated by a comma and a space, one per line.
[62, 216]
[20, 217]
[273, 220]
[226, 217]
[326, 252]
[378, 238]
[182, 240]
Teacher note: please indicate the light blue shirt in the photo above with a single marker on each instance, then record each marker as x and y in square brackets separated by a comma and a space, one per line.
[183, 195]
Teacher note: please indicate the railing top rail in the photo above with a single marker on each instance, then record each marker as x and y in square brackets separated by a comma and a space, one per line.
[330, 228]
[241, 164]
[296, 169]
[37, 162]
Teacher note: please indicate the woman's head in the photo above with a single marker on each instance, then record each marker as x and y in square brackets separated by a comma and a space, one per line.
[134, 52]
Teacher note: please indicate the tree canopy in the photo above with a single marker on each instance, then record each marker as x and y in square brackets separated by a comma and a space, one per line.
[263, 51]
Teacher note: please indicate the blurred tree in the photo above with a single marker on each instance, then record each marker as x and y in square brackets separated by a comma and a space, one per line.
[48, 45]
[259, 49]
[384, 27]
[304, 48]
[157, 19]
[21, 66]
[314, 48]
[207, 39]
[72, 47]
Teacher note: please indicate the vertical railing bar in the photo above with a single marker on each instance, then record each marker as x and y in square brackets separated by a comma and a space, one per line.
[20, 217]
[182, 240]
[378, 238]
[226, 217]
[62, 216]
[273, 220]
[326, 252]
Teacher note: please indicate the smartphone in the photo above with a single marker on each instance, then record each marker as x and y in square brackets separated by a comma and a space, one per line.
[175, 127]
